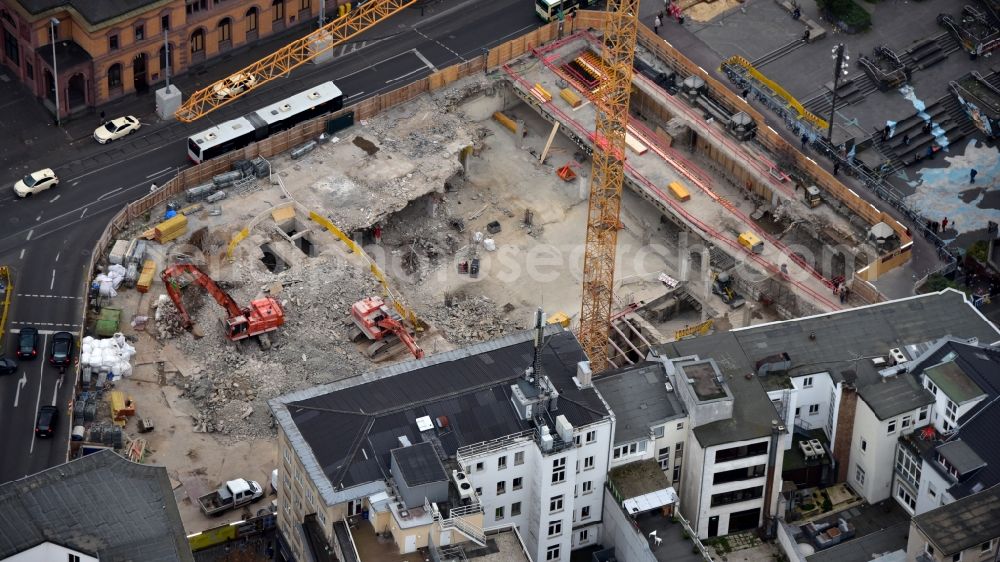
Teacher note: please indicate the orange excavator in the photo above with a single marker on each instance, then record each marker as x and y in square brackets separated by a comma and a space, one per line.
[264, 315]
[380, 324]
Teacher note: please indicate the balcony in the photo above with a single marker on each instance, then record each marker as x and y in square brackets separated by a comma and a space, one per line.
[374, 546]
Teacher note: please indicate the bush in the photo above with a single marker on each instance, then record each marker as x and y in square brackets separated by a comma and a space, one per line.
[827, 504]
[808, 507]
[847, 12]
[978, 250]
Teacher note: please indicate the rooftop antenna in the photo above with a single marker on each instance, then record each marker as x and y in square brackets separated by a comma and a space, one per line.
[535, 371]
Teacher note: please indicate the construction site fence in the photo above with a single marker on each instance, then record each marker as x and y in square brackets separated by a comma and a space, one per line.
[7, 286]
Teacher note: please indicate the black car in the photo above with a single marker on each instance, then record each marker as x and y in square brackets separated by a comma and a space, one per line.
[47, 418]
[61, 352]
[27, 343]
[7, 366]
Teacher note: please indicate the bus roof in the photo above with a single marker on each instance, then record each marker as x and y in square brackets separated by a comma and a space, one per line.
[224, 131]
[321, 93]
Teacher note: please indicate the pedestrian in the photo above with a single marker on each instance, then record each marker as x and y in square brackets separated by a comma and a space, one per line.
[906, 140]
[836, 167]
[805, 140]
[796, 13]
[805, 35]
[927, 127]
[153, 188]
[103, 117]
[953, 227]
[972, 175]
[930, 152]
[944, 223]
[378, 234]
[745, 94]
[656, 25]
[885, 133]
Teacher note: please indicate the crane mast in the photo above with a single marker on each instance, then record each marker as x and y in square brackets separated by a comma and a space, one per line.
[606, 180]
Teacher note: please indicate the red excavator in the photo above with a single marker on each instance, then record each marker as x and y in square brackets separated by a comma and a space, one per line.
[264, 315]
[380, 324]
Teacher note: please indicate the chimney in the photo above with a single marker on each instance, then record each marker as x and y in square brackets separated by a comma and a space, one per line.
[584, 375]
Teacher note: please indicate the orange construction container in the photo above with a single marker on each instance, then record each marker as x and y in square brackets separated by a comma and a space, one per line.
[679, 192]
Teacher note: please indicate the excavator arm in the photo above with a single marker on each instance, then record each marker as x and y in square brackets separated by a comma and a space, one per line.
[169, 276]
[291, 56]
[404, 336]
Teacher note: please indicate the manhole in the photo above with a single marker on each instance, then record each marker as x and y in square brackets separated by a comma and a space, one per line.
[272, 262]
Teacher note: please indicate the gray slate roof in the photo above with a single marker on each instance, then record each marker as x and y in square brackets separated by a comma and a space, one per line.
[963, 523]
[862, 549]
[961, 456]
[470, 387]
[639, 399]
[101, 505]
[893, 396]
[94, 11]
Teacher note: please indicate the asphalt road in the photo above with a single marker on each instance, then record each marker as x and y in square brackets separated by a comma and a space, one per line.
[47, 238]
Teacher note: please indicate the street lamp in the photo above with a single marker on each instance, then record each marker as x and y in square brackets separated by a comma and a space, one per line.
[839, 55]
[53, 22]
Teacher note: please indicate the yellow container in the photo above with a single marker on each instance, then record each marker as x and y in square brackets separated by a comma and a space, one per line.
[559, 318]
[571, 98]
[679, 192]
[543, 92]
[750, 241]
[146, 276]
[505, 121]
[171, 228]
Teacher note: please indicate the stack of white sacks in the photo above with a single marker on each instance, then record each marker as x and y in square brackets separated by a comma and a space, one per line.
[110, 281]
[112, 355]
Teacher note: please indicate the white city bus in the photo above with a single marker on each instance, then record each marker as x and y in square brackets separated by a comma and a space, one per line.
[260, 124]
[548, 10]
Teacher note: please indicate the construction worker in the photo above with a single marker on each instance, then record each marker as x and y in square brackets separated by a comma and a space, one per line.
[656, 25]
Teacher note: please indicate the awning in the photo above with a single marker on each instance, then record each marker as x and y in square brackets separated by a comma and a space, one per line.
[650, 501]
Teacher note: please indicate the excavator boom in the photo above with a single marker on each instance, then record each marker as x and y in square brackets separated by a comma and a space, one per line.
[206, 282]
[404, 336]
[288, 58]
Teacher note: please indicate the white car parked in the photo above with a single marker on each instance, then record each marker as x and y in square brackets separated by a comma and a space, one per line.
[36, 182]
[116, 129]
[234, 85]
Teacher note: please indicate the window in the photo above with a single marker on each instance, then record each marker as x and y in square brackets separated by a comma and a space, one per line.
[931, 387]
[680, 426]
[807, 382]
[951, 409]
[864, 445]
[555, 528]
[584, 535]
[502, 462]
[923, 413]
[906, 421]
[679, 449]
[198, 41]
[907, 466]
[479, 467]
[986, 546]
[140, 32]
[859, 475]
[798, 412]
[225, 30]
[947, 426]
[518, 458]
[305, 5]
[905, 497]
[737, 474]
[552, 553]
[891, 427]
[195, 6]
[658, 431]
[75, 558]
[630, 449]
[515, 509]
[29, 70]
[588, 463]
[559, 470]
[113, 42]
[663, 455]
[501, 487]
[585, 512]
[498, 513]
[576, 440]
[741, 452]
[588, 487]
[813, 409]
[556, 504]
[115, 82]
[931, 491]
[252, 19]
[736, 496]
[165, 22]
[677, 475]
[929, 549]
[278, 10]
[956, 557]
[516, 483]
[591, 436]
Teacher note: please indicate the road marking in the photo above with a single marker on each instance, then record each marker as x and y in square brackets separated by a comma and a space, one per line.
[20, 384]
[374, 64]
[74, 183]
[38, 218]
[22, 254]
[446, 47]
[407, 75]
[153, 175]
[356, 94]
[38, 401]
[30, 232]
[55, 392]
[40, 296]
[53, 200]
[53, 283]
[112, 192]
[57, 255]
[84, 212]
[423, 58]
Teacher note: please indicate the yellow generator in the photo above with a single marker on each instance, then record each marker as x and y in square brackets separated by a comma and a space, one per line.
[812, 196]
[750, 241]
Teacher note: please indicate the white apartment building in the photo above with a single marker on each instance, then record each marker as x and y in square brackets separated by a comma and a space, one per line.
[438, 452]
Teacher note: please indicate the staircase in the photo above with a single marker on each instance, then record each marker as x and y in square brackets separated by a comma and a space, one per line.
[945, 113]
[851, 91]
[930, 51]
[455, 521]
[778, 53]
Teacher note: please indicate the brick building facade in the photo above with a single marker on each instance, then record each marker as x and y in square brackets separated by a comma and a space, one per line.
[105, 50]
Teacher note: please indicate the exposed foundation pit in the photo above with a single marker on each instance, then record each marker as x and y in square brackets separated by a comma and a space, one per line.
[299, 234]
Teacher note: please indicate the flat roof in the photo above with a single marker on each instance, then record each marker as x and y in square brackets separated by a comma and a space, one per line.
[468, 387]
[94, 11]
[895, 395]
[963, 523]
[638, 478]
[705, 379]
[961, 456]
[639, 399]
[862, 549]
[950, 378]
[419, 464]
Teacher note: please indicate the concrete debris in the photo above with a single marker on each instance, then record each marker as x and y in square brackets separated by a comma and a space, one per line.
[471, 320]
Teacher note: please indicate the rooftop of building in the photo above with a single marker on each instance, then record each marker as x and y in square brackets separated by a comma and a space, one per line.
[977, 428]
[959, 454]
[469, 389]
[963, 523]
[95, 12]
[637, 478]
[953, 381]
[419, 464]
[861, 549]
[895, 395]
[704, 378]
[639, 398]
[101, 505]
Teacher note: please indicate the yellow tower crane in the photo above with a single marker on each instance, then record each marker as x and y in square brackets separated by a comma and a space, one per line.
[288, 58]
[606, 180]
